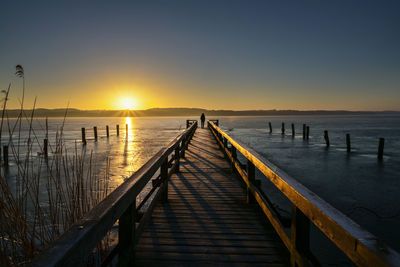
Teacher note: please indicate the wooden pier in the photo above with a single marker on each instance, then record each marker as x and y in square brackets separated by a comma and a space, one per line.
[206, 207]
[206, 219]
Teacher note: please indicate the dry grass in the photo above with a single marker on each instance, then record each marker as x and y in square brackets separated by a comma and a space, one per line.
[42, 196]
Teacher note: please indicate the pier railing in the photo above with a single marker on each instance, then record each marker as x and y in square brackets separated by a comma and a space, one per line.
[73, 247]
[363, 248]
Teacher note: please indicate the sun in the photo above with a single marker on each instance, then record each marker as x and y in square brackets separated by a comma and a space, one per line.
[126, 102]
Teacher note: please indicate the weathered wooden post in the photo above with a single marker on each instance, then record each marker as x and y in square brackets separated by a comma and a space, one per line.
[380, 148]
[107, 131]
[45, 145]
[304, 131]
[326, 137]
[270, 127]
[187, 124]
[95, 133]
[308, 132]
[234, 156]
[126, 130]
[5, 156]
[251, 176]
[83, 136]
[183, 147]
[348, 145]
[164, 179]
[293, 132]
[283, 128]
[177, 158]
[126, 235]
[300, 234]
[117, 129]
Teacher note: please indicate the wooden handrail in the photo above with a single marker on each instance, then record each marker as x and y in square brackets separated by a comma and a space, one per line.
[363, 248]
[79, 241]
[190, 122]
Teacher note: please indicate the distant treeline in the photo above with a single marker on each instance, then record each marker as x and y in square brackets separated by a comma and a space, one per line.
[155, 112]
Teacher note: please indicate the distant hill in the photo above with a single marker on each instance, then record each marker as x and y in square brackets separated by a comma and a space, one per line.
[156, 112]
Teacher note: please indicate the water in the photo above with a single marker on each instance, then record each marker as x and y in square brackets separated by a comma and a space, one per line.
[127, 153]
[356, 183]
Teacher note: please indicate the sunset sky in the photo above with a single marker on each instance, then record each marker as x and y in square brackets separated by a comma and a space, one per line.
[206, 54]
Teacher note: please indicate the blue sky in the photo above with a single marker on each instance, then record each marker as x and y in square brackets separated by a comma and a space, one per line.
[211, 54]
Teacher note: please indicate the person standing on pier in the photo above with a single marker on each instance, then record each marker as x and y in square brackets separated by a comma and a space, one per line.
[202, 118]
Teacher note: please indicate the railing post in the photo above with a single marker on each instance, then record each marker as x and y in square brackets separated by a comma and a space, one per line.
[300, 237]
[126, 235]
[234, 157]
[177, 158]
[187, 124]
[251, 176]
[95, 133]
[164, 179]
[183, 147]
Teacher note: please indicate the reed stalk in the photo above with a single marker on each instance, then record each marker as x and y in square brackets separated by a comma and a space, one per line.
[41, 197]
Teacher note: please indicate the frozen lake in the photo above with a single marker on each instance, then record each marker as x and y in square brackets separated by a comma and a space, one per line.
[356, 183]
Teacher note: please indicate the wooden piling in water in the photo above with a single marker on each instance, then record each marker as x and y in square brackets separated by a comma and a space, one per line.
[95, 133]
[117, 129]
[283, 128]
[326, 137]
[380, 148]
[348, 145]
[304, 131]
[83, 136]
[45, 145]
[126, 129]
[270, 127]
[5, 156]
[308, 132]
[293, 132]
[107, 131]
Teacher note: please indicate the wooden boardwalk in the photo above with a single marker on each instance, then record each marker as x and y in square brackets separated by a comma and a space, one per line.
[206, 220]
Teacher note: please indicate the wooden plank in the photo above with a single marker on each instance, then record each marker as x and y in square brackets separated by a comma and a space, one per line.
[193, 257]
[173, 263]
[216, 242]
[208, 249]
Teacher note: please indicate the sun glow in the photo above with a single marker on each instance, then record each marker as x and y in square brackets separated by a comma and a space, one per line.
[127, 102]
